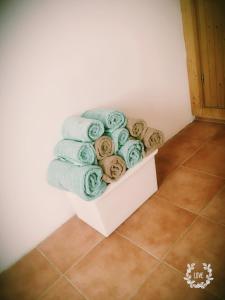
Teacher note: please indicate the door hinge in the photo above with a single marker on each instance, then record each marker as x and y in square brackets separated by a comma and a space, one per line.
[202, 78]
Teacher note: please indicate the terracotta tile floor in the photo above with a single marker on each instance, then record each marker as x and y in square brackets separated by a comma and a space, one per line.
[146, 257]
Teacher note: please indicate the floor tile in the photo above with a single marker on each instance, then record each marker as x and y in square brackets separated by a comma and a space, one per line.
[163, 167]
[204, 243]
[189, 188]
[219, 138]
[27, 279]
[62, 290]
[115, 269]
[166, 284]
[201, 130]
[173, 153]
[216, 208]
[67, 244]
[210, 159]
[156, 225]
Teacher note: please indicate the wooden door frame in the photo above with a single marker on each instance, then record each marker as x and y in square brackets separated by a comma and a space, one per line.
[189, 19]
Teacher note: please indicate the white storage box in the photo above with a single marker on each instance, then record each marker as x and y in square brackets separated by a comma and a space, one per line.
[120, 199]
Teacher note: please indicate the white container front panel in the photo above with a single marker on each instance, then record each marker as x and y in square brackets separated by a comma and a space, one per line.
[120, 199]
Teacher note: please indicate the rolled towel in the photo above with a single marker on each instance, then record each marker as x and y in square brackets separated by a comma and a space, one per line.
[136, 127]
[78, 153]
[120, 137]
[84, 181]
[113, 167]
[82, 129]
[132, 152]
[111, 119]
[104, 147]
[153, 138]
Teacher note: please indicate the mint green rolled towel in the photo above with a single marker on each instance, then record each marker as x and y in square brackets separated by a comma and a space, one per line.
[132, 152]
[120, 137]
[112, 119]
[78, 153]
[82, 129]
[85, 181]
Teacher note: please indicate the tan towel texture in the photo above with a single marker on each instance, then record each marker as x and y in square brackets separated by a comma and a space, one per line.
[104, 147]
[136, 127]
[113, 168]
[153, 138]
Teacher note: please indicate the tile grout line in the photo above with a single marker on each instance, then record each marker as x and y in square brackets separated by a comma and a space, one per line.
[181, 165]
[216, 194]
[173, 268]
[212, 221]
[55, 268]
[161, 261]
[49, 287]
[181, 273]
[49, 261]
[132, 242]
[196, 150]
[75, 287]
[181, 236]
[204, 172]
[83, 256]
[146, 251]
[144, 280]
[177, 241]
[190, 156]
[192, 212]
[137, 245]
[199, 148]
[62, 274]
[186, 159]
[198, 215]
[207, 205]
[176, 205]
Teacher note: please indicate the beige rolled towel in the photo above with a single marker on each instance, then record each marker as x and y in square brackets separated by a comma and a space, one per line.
[153, 138]
[104, 147]
[113, 168]
[136, 127]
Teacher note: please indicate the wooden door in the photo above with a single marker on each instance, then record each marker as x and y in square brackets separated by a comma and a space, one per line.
[204, 31]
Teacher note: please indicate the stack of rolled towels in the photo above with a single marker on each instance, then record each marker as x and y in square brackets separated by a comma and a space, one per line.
[97, 148]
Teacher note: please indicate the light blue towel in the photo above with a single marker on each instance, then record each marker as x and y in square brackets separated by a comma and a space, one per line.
[112, 119]
[84, 181]
[120, 137]
[82, 129]
[132, 152]
[78, 153]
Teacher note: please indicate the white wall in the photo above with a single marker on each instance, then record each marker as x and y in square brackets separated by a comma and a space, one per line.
[63, 57]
